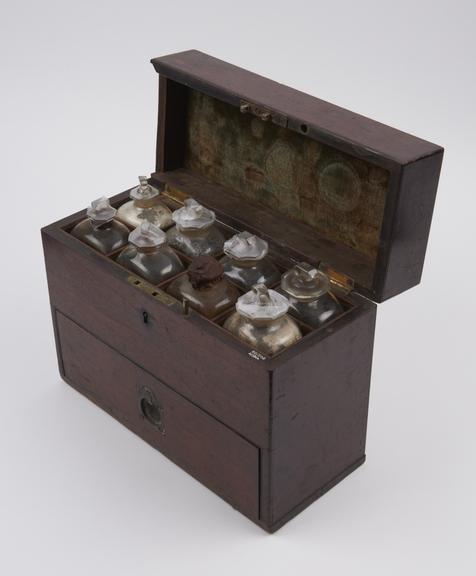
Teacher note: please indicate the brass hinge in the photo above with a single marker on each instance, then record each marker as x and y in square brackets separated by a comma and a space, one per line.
[263, 113]
[153, 291]
[340, 282]
[175, 194]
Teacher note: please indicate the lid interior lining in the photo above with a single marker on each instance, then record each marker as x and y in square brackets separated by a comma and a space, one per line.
[333, 200]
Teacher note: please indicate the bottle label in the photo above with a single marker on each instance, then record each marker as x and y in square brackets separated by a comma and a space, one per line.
[256, 355]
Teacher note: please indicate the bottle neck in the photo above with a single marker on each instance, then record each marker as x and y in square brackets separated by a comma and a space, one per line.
[264, 322]
[148, 249]
[146, 202]
[101, 225]
[245, 263]
[193, 232]
[304, 298]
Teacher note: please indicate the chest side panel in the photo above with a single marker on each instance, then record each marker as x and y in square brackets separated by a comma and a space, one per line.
[319, 414]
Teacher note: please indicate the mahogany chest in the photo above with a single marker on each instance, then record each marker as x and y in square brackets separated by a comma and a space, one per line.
[320, 184]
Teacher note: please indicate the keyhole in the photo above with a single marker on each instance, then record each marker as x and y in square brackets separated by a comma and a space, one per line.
[145, 317]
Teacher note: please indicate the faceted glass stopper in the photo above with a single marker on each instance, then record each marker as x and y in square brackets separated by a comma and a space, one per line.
[147, 236]
[193, 216]
[144, 191]
[101, 210]
[304, 282]
[245, 246]
[262, 304]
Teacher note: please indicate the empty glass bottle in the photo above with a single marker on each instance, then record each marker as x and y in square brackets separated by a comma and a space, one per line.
[145, 206]
[308, 292]
[245, 261]
[100, 230]
[194, 233]
[149, 256]
[204, 288]
[261, 321]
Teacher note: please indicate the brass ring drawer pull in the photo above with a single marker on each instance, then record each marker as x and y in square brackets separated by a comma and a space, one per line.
[151, 409]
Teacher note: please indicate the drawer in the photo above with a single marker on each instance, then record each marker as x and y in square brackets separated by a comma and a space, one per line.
[214, 454]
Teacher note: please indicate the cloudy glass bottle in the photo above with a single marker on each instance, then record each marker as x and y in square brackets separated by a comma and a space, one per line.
[246, 262]
[195, 233]
[262, 322]
[100, 229]
[145, 206]
[204, 288]
[149, 256]
[309, 295]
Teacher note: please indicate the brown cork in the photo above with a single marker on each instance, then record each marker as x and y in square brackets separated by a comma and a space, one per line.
[204, 271]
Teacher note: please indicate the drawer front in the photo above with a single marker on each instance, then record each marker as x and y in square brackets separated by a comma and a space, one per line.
[200, 365]
[208, 450]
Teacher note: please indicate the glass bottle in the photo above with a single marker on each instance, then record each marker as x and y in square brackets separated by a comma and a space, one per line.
[194, 233]
[204, 288]
[245, 261]
[145, 206]
[309, 295]
[100, 230]
[261, 321]
[149, 256]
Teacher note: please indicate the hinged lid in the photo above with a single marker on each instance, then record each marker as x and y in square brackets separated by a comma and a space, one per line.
[328, 186]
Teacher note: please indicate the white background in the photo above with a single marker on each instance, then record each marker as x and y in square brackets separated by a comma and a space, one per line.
[79, 494]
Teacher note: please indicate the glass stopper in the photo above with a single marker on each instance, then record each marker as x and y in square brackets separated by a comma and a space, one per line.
[245, 246]
[261, 303]
[193, 216]
[147, 235]
[144, 191]
[304, 282]
[101, 210]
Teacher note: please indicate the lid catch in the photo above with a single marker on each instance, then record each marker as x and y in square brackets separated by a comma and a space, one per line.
[263, 113]
[153, 291]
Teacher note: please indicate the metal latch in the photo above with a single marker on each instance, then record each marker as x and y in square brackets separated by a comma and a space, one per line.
[153, 291]
[263, 113]
[340, 282]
